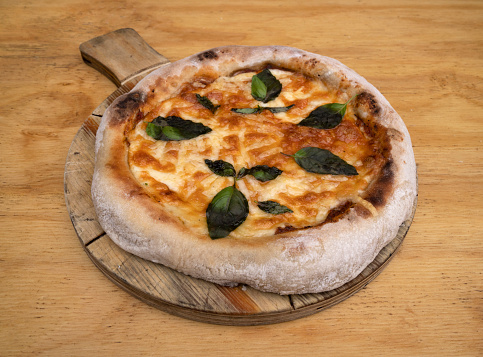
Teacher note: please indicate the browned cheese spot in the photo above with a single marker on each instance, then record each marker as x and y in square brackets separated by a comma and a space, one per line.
[143, 159]
[362, 211]
[338, 212]
[285, 229]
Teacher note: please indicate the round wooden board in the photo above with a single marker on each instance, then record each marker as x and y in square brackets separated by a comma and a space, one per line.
[175, 292]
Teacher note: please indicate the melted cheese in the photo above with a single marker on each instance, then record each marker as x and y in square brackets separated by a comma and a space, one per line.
[175, 174]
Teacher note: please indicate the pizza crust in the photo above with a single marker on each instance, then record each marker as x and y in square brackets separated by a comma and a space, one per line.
[310, 260]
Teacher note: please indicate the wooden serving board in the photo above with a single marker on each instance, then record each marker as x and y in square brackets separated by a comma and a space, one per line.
[125, 58]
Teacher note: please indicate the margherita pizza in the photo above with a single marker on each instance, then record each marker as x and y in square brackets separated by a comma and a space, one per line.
[266, 166]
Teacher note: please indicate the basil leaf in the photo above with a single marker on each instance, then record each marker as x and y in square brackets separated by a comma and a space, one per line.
[227, 210]
[273, 207]
[278, 109]
[204, 101]
[172, 133]
[337, 107]
[247, 110]
[264, 173]
[259, 109]
[160, 121]
[259, 89]
[327, 116]
[322, 118]
[321, 161]
[174, 128]
[221, 168]
[242, 173]
[265, 86]
[153, 130]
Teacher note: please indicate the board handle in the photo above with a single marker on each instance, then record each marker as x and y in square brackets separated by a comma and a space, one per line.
[120, 55]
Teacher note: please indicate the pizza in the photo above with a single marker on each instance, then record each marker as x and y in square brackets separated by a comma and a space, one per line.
[267, 166]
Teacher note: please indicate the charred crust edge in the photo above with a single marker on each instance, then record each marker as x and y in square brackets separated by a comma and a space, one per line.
[128, 105]
[207, 55]
[381, 189]
[368, 101]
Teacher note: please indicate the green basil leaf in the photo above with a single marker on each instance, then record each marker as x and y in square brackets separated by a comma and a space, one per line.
[327, 116]
[242, 173]
[322, 118]
[259, 109]
[160, 121]
[174, 128]
[247, 110]
[264, 173]
[321, 161]
[154, 130]
[204, 101]
[221, 168]
[337, 107]
[171, 133]
[265, 86]
[278, 109]
[259, 89]
[273, 207]
[227, 210]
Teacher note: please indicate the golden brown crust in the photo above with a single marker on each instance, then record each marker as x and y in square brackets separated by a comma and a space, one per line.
[313, 259]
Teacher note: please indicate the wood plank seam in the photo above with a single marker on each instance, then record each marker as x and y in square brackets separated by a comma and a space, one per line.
[95, 238]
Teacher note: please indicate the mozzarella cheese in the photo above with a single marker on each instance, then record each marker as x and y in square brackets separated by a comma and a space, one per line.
[175, 174]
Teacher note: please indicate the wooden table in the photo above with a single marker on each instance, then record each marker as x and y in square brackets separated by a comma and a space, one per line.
[424, 56]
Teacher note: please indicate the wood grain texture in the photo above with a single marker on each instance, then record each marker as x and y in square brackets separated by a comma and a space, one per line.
[424, 56]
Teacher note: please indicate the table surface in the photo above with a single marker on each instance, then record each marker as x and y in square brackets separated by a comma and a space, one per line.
[424, 56]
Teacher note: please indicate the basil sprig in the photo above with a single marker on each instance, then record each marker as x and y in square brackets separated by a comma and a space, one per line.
[327, 116]
[259, 109]
[175, 128]
[227, 210]
[265, 86]
[273, 207]
[204, 101]
[262, 173]
[321, 161]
